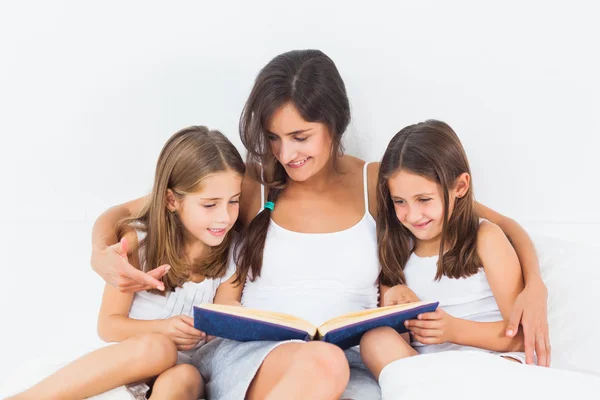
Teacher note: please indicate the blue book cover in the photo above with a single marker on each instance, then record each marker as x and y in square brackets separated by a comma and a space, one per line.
[244, 324]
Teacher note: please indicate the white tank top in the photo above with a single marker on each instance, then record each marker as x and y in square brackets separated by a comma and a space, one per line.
[318, 276]
[468, 298]
[181, 301]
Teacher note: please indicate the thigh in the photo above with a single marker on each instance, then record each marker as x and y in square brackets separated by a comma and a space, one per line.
[272, 369]
[362, 384]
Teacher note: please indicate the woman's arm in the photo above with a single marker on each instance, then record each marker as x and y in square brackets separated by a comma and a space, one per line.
[228, 293]
[110, 262]
[530, 308]
[520, 240]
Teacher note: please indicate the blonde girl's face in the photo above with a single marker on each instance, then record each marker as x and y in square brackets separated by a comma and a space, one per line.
[209, 214]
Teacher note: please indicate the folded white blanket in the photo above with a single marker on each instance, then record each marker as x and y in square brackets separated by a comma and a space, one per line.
[476, 375]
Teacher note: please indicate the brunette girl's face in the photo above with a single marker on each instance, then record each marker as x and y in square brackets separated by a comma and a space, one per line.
[419, 202]
[303, 148]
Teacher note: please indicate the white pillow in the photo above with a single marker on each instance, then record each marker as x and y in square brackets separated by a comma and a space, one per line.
[571, 273]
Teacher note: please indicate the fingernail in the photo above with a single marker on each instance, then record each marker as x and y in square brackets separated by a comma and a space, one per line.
[167, 268]
[405, 323]
[509, 332]
[161, 287]
[419, 316]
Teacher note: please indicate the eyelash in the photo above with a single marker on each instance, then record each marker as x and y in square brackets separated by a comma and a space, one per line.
[272, 138]
[400, 202]
[212, 205]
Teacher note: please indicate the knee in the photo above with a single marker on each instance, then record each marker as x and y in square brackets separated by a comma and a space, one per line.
[376, 338]
[184, 376]
[155, 348]
[328, 362]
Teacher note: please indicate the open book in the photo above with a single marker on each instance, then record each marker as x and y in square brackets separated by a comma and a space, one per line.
[247, 324]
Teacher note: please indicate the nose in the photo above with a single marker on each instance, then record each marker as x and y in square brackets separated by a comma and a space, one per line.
[287, 152]
[413, 215]
[224, 216]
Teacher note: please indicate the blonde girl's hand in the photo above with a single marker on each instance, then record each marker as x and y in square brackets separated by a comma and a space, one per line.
[180, 329]
[432, 328]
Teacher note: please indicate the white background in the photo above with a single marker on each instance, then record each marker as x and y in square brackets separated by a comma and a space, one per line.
[89, 93]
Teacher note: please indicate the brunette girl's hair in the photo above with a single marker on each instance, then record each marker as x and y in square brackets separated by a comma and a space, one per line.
[432, 150]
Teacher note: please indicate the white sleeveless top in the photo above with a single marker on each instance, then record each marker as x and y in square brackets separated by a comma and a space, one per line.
[318, 276]
[468, 298]
[181, 301]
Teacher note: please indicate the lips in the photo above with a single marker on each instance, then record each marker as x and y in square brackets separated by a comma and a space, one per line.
[422, 225]
[299, 163]
[216, 232]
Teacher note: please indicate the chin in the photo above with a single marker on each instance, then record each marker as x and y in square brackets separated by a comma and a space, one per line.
[213, 241]
[298, 176]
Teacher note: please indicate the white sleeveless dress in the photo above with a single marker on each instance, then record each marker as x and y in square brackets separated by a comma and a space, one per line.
[181, 301]
[468, 298]
[315, 276]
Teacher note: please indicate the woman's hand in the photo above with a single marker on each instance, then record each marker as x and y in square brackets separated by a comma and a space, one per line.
[531, 311]
[399, 294]
[180, 329]
[112, 265]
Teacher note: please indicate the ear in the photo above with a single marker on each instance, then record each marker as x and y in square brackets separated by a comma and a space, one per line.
[171, 200]
[462, 185]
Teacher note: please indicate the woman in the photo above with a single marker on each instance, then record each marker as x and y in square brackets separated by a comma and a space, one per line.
[310, 249]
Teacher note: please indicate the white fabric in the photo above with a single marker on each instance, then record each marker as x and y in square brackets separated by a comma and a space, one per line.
[181, 301]
[469, 298]
[571, 273]
[466, 375]
[318, 276]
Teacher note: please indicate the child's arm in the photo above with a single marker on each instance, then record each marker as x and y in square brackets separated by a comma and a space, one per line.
[503, 273]
[530, 308]
[228, 293]
[114, 324]
[519, 239]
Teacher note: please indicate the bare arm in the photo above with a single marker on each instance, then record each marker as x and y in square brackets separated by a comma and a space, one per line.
[103, 231]
[228, 293]
[530, 308]
[503, 273]
[520, 240]
[107, 259]
[114, 324]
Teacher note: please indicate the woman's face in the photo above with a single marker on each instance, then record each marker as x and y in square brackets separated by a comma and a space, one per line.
[302, 147]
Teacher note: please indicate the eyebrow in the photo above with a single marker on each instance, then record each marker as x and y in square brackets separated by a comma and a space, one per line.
[291, 133]
[416, 195]
[219, 198]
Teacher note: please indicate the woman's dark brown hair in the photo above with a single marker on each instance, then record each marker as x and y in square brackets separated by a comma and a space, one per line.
[310, 81]
[432, 150]
[188, 157]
